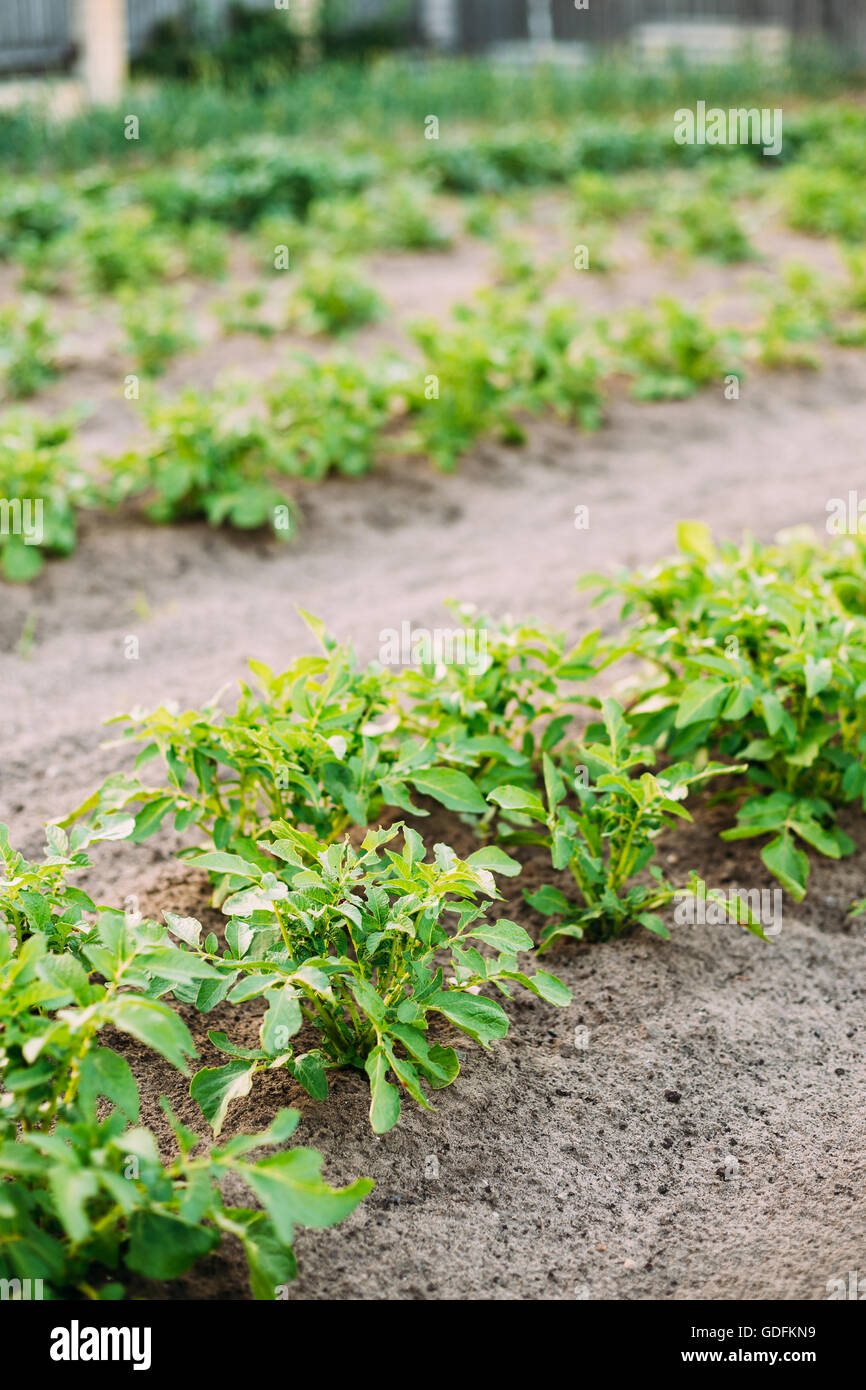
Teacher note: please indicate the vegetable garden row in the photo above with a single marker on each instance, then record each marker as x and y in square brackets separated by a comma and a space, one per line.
[125, 229]
[365, 945]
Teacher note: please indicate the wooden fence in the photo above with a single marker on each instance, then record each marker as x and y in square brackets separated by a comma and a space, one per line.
[39, 34]
[481, 22]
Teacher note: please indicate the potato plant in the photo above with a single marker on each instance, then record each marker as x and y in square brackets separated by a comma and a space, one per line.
[506, 696]
[206, 458]
[37, 896]
[351, 942]
[761, 658]
[333, 297]
[155, 330]
[87, 1200]
[605, 836]
[327, 743]
[27, 349]
[330, 416]
[497, 361]
[399, 215]
[704, 226]
[42, 488]
[670, 351]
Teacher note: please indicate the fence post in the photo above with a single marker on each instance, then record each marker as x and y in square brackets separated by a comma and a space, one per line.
[440, 23]
[539, 17]
[100, 27]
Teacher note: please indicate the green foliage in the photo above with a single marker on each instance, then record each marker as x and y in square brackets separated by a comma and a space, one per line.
[253, 48]
[599, 197]
[27, 349]
[207, 458]
[494, 360]
[264, 174]
[314, 748]
[156, 330]
[41, 486]
[397, 215]
[32, 214]
[332, 297]
[703, 226]
[605, 836]
[797, 314]
[328, 744]
[240, 313]
[520, 157]
[509, 697]
[383, 99]
[516, 267]
[36, 897]
[122, 246]
[328, 416]
[348, 940]
[761, 653]
[670, 351]
[827, 201]
[482, 215]
[87, 1197]
[205, 249]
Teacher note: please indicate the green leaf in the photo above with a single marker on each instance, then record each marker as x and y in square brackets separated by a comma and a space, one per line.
[271, 1263]
[548, 901]
[155, 1025]
[550, 988]
[439, 1069]
[37, 909]
[71, 1189]
[227, 864]
[162, 1246]
[214, 1088]
[309, 1071]
[481, 1019]
[554, 786]
[67, 974]
[451, 787]
[696, 538]
[289, 1186]
[187, 929]
[384, 1098]
[654, 923]
[504, 936]
[21, 562]
[819, 674]
[148, 820]
[701, 699]
[615, 725]
[282, 1020]
[774, 712]
[788, 864]
[105, 1073]
[518, 799]
[824, 841]
[496, 860]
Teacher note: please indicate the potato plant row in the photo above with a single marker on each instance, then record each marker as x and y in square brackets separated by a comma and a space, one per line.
[366, 945]
[501, 359]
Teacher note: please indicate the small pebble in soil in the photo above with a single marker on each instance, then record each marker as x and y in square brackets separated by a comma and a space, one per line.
[673, 1096]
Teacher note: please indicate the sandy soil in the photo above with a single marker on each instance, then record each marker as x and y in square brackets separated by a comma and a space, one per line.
[563, 1171]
